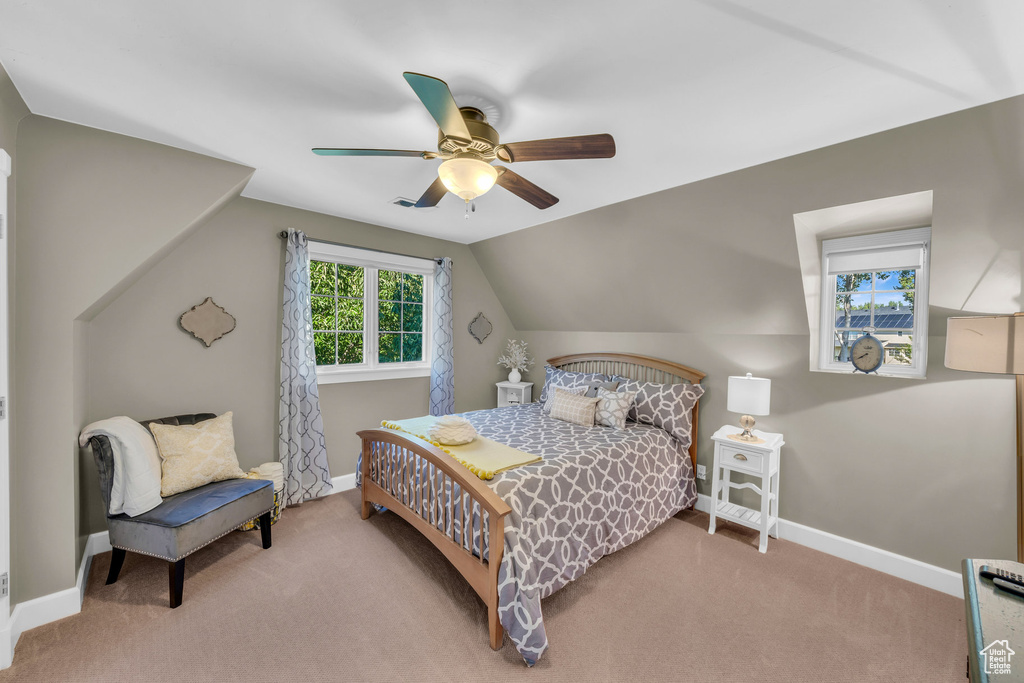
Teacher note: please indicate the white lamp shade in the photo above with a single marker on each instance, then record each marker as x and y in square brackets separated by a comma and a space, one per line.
[749, 395]
[993, 343]
[467, 177]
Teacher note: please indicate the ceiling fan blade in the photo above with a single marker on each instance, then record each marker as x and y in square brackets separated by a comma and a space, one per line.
[523, 188]
[433, 194]
[600, 146]
[336, 152]
[438, 100]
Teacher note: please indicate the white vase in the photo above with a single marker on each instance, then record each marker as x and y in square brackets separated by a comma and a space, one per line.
[514, 376]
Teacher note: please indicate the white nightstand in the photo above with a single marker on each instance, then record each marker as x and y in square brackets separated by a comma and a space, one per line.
[759, 460]
[514, 393]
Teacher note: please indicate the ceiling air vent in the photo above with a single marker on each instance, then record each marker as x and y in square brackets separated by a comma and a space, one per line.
[409, 204]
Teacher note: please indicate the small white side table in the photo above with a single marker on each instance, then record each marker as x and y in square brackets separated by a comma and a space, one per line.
[760, 460]
[514, 393]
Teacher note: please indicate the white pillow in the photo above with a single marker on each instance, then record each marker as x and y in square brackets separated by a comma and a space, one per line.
[136, 482]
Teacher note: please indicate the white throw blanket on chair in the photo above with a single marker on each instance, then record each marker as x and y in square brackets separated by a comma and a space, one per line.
[136, 482]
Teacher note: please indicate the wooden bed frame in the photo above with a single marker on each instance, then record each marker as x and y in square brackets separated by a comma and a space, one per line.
[415, 489]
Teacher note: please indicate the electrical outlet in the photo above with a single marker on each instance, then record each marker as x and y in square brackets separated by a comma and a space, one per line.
[702, 472]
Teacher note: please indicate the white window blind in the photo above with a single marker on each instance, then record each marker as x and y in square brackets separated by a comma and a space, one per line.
[904, 257]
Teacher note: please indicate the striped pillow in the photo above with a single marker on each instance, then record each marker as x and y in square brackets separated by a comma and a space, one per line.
[572, 408]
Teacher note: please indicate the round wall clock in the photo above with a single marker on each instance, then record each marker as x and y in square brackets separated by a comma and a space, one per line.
[867, 354]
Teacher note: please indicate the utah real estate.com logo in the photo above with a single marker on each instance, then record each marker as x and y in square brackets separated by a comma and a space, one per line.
[997, 657]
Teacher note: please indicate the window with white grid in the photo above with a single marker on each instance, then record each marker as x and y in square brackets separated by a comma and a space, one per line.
[876, 284]
[371, 313]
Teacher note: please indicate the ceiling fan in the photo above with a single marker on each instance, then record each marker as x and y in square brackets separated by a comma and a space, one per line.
[469, 144]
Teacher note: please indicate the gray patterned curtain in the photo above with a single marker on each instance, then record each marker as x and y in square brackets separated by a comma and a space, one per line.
[442, 359]
[301, 445]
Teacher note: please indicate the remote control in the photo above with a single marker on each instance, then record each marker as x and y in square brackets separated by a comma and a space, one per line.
[1009, 587]
[987, 572]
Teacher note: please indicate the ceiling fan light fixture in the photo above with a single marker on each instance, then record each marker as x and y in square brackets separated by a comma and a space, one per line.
[467, 176]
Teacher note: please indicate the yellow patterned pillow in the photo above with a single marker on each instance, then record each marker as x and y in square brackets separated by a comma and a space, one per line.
[194, 455]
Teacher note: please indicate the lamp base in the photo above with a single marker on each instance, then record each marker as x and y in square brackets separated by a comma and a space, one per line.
[747, 422]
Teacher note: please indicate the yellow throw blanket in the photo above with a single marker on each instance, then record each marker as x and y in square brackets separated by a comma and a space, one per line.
[481, 456]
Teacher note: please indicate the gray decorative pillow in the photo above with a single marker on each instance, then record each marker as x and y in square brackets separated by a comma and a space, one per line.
[577, 391]
[668, 406]
[573, 408]
[566, 378]
[593, 386]
[612, 408]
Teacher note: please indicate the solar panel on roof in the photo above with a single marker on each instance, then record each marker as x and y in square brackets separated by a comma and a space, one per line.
[883, 321]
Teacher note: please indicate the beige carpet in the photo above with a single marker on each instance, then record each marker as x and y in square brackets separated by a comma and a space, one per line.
[340, 599]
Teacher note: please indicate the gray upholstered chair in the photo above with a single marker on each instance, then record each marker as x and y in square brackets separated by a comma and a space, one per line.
[185, 522]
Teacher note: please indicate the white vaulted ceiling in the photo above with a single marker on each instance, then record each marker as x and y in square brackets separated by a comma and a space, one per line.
[690, 89]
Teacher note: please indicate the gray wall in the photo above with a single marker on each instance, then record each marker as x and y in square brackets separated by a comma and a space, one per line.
[142, 365]
[707, 274]
[118, 237]
[95, 211]
[12, 111]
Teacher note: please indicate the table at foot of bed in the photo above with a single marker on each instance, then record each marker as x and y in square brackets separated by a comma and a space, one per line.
[442, 500]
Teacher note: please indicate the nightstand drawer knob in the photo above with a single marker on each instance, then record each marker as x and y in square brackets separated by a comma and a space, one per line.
[739, 456]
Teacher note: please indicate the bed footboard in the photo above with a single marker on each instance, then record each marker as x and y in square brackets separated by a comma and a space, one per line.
[442, 500]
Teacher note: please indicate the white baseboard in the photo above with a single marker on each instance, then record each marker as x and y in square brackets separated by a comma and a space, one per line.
[97, 543]
[345, 482]
[915, 571]
[42, 610]
[32, 613]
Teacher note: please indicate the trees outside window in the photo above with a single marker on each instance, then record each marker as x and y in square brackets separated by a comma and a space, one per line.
[371, 313]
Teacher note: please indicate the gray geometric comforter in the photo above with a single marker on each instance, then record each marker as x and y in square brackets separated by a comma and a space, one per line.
[596, 491]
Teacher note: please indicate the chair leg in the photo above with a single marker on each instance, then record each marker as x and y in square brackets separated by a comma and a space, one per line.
[116, 560]
[265, 529]
[176, 581]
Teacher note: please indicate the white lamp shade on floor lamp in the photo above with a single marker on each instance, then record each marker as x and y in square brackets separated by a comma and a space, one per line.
[994, 343]
[750, 396]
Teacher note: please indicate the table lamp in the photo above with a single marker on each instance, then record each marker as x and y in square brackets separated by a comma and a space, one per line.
[995, 344]
[751, 396]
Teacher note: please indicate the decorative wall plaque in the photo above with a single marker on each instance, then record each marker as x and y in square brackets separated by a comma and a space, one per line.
[207, 322]
[480, 328]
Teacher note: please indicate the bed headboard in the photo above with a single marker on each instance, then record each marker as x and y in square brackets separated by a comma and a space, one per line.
[641, 368]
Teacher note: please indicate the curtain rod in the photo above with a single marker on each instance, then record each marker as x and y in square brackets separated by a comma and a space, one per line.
[284, 235]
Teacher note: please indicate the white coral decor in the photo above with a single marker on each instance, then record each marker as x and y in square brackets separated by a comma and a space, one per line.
[515, 356]
[452, 430]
